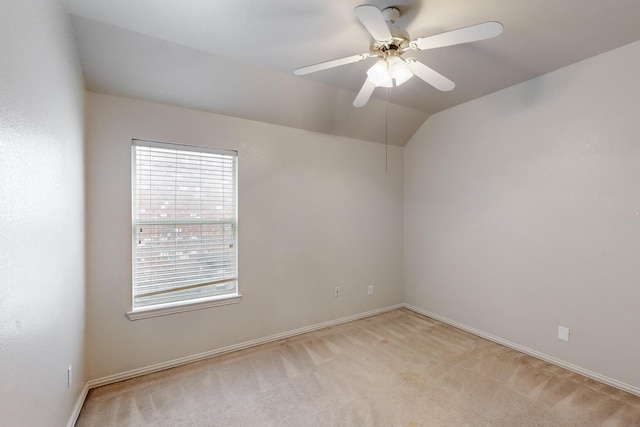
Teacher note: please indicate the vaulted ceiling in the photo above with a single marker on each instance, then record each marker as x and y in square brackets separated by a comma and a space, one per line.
[237, 57]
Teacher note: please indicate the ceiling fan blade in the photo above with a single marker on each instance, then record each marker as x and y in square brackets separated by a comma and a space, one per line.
[483, 31]
[430, 76]
[372, 19]
[365, 93]
[330, 64]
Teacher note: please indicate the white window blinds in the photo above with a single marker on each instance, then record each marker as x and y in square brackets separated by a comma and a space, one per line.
[183, 223]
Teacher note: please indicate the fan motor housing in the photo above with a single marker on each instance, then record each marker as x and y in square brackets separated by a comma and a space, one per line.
[396, 46]
[400, 41]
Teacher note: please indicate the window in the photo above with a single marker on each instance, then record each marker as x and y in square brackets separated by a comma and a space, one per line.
[184, 227]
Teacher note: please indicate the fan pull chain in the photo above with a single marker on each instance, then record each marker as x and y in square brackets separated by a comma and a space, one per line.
[386, 131]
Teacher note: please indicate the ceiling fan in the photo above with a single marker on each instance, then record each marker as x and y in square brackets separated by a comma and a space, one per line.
[391, 42]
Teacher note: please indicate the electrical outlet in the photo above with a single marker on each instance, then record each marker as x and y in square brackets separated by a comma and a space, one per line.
[370, 290]
[563, 333]
[336, 292]
[69, 375]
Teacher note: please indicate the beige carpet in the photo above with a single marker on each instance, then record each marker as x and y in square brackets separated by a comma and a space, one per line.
[394, 369]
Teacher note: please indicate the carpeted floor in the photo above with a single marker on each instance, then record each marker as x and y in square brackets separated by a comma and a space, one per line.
[394, 369]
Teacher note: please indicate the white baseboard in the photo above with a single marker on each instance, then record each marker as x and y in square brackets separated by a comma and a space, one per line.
[561, 363]
[241, 346]
[288, 334]
[78, 407]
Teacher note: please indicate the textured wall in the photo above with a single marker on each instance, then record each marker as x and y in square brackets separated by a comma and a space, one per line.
[41, 215]
[315, 212]
[522, 213]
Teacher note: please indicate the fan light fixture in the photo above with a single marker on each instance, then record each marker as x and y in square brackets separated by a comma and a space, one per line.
[388, 72]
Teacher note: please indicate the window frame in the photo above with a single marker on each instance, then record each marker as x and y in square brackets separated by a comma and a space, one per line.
[193, 303]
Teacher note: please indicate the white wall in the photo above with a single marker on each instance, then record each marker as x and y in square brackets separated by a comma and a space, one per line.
[315, 212]
[41, 215]
[522, 213]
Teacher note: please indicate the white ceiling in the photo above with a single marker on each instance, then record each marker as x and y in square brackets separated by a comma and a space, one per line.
[237, 57]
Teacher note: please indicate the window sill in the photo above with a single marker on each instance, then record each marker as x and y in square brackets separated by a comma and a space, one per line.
[179, 307]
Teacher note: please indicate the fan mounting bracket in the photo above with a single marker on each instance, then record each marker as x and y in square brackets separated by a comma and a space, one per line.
[390, 14]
